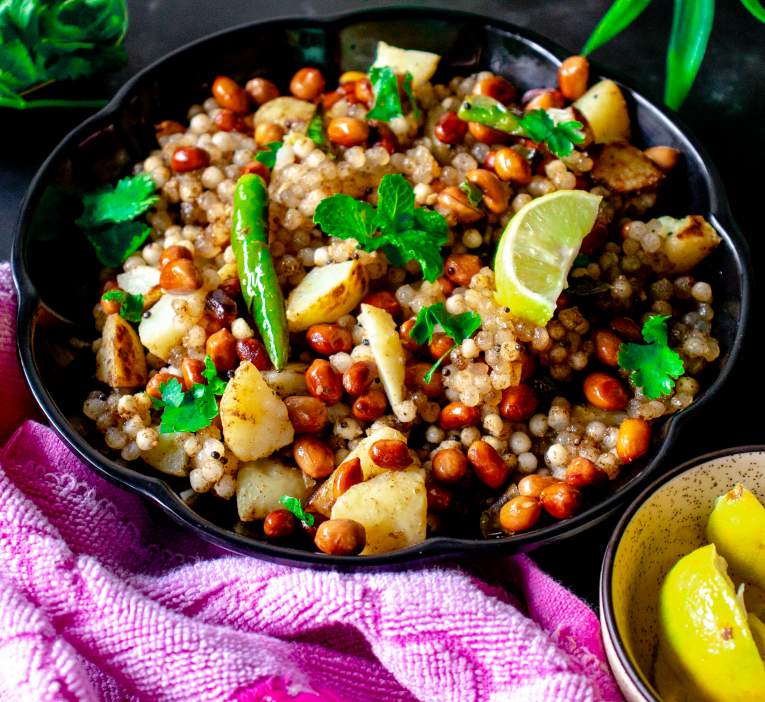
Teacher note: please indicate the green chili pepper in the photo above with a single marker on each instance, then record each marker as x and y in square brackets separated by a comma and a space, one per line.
[257, 275]
[619, 16]
[491, 112]
[691, 27]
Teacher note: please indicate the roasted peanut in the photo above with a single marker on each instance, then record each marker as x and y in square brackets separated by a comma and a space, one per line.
[168, 127]
[307, 84]
[405, 334]
[253, 351]
[450, 129]
[307, 414]
[628, 328]
[460, 268]
[268, 132]
[324, 382]
[171, 253]
[573, 75]
[370, 406]
[496, 195]
[313, 457]
[192, 368]
[633, 440]
[488, 465]
[109, 306]
[446, 285]
[189, 158]
[541, 99]
[390, 453]
[257, 168]
[156, 380]
[362, 89]
[346, 476]
[439, 345]
[518, 403]
[519, 513]
[495, 87]
[228, 121]
[415, 378]
[607, 347]
[455, 415]
[532, 485]
[449, 465]
[261, 90]
[385, 300]
[221, 348]
[347, 131]
[511, 167]
[221, 306]
[340, 537]
[605, 392]
[486, 135]
[439, 497]
[328, 339]
[582, 472]
[229, 94]
[278, 524]
[358, 378]
[665, 157]
[561, 500]
[456, 203]
[180, 276]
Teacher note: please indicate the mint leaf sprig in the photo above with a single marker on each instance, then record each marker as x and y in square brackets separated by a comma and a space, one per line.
[109, 218]
[292, 504]
[406, 233]
[194, 409]
[131, 306]
[457, 327]
[654, 365]
[387, 97]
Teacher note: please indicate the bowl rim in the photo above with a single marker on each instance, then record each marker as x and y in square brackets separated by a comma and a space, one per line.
[159, 492]
[608, 617]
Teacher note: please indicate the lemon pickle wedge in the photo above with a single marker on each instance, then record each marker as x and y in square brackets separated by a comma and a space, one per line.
[537, 250]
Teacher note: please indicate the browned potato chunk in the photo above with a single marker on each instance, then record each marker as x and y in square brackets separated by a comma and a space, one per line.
[690, 241]
[120, 360]
[623, 169]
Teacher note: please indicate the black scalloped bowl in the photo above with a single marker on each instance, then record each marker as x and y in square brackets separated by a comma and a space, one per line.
[56, 273]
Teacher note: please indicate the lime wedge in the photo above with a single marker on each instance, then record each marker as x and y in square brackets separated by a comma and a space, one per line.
[537, 249]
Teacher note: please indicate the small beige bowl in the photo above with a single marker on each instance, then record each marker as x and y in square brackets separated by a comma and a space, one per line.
[664, 523]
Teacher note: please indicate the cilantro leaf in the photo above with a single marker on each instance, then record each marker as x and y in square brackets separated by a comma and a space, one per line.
[113, 243]
[268, 156]
[131, 306]
[345, 218]
[315, 131]
[194, 409]
[559, 138]
[474, 194]
[456, 326]
[387, 99]
[131, 197]
[653, 365]
[407, 233]
[292, 504]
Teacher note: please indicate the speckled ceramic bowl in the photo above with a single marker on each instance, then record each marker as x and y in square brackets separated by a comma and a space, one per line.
[664, 523]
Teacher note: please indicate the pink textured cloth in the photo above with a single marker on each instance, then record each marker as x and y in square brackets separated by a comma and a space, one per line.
[101, 602]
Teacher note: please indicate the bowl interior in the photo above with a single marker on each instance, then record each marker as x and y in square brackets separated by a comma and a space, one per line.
[58, 272]
[669, 524]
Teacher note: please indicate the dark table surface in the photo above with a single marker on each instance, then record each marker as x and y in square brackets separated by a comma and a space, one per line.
[725, 110]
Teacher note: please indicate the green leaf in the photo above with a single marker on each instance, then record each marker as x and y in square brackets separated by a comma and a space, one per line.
[457, 327]
[691, 27]
[194, 409]
[559, 138]
[756, 8]
[268, 156]
[619, 16]
[653, 365]
[131, 197]
[345, 218]
[131, 306]
[387, 97]
[407, 86]
[414, 245]
[315, 129]
[474, 193]
[395, 204]
[113, 243]
[292, 504]
[581, 261]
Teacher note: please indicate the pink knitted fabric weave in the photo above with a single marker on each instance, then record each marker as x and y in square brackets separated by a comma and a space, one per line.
[101, 602]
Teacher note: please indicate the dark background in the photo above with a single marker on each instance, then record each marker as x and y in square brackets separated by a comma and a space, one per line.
[726, 110]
